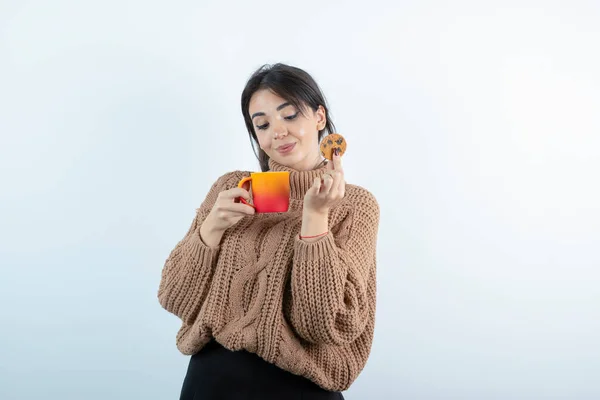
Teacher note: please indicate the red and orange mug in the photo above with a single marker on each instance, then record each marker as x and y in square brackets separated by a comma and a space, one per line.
[270, 191]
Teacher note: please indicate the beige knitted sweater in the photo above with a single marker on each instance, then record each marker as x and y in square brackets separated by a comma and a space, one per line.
[308, 308]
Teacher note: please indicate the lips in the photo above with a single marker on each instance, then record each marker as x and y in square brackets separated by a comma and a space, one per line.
[286, 148]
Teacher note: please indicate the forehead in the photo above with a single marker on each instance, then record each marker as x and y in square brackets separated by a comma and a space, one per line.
[264, 100]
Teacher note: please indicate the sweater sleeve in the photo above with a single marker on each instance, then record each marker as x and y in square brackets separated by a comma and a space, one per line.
[188, 270]
[333, 279]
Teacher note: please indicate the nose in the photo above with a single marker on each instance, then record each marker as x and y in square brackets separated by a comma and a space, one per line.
[279, 130]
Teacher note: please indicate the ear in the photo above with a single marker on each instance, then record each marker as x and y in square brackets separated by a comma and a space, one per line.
[321, 118]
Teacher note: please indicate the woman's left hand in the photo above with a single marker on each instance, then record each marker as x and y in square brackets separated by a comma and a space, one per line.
[327, 189]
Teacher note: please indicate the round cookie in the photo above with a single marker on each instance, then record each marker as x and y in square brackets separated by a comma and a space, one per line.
[330, 142]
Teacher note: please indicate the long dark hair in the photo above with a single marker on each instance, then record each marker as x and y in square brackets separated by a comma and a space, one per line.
[292, 84]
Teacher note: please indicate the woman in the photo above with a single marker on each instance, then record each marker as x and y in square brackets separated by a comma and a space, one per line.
[278, 305]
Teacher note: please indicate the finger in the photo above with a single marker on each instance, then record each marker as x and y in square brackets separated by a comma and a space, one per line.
[337, 177]
[237, 208]
[334, 183]
[329, 165]
[315, 186]
[341, 185]
[327, 183]
[337, 160]
[236, 192]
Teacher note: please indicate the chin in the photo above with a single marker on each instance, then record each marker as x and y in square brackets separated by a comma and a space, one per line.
[287, 159]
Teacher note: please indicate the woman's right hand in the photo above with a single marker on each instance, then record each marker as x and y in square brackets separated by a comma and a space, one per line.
[225, 213]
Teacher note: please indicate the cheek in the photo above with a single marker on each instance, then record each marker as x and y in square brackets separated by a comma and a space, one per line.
[307, 137]
[303, 130]
[263, 141]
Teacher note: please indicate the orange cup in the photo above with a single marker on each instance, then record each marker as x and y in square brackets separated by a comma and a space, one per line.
[270, 191]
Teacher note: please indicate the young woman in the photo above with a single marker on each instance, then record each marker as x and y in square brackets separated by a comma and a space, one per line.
[277, 305]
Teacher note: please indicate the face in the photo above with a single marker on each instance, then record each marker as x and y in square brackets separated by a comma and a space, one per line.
[284, 133]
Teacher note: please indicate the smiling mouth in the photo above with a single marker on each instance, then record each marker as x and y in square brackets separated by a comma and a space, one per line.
[286, 147]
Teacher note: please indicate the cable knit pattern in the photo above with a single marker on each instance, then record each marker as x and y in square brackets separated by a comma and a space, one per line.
[308, 308]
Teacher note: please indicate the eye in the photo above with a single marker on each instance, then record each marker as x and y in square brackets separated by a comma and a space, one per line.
[291, 117]
[263, 126]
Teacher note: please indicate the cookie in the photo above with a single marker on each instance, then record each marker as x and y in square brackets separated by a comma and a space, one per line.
[330, 142]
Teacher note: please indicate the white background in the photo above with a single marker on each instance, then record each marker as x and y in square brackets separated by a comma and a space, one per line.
[474, 123]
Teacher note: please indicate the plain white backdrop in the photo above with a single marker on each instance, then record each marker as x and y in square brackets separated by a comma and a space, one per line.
[474, 123]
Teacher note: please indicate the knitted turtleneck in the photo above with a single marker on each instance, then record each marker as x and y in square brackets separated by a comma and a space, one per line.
[307, 307]
[300, 181]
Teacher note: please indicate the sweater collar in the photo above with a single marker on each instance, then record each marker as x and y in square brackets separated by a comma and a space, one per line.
[300, 181]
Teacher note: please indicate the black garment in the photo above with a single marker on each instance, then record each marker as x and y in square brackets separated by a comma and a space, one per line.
[216, 373]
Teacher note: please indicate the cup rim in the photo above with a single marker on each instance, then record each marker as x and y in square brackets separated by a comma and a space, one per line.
[269, 172]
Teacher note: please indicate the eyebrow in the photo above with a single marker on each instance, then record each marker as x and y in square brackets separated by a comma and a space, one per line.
[282, 106]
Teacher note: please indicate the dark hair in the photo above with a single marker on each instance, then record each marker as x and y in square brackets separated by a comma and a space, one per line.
[294, 85]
